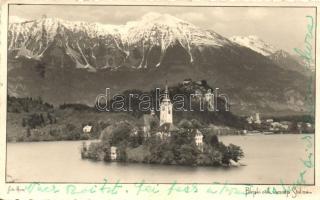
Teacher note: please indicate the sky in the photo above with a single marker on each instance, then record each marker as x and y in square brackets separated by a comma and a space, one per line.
[284, 28]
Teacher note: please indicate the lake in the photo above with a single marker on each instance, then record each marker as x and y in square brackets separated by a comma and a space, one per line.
[268, 159]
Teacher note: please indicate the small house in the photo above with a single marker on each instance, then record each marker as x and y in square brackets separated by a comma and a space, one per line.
[257, 120]
[113, 153]
[87, 129]
[186, 81]
[198, 138]
[269, 120]
[250, 120]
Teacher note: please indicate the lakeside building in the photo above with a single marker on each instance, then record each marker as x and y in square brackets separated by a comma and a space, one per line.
[113, 153]
[250, 120]
[87, 129]
[199, 139]
[269, 120]
[257, 120]
[187, 81]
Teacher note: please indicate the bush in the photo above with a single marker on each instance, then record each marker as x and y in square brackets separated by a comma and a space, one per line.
[72, 132]
[235, 152]
[215, 156]
[187, 154]
[97, 151]
[232, 151]
[179, 149]
[120, 133]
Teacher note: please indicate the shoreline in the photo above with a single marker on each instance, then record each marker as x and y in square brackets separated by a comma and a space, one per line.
[254, 134]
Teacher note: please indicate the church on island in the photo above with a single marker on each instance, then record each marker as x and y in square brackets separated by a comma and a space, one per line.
[165, 124]
[152, 126]
[155, 139]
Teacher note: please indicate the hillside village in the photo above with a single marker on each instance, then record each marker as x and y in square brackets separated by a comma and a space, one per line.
[275, 126]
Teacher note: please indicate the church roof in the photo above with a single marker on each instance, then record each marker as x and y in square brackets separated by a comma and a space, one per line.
[168, 127]
[197, 132]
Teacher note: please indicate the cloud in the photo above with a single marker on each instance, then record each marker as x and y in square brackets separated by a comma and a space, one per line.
[192, 16]
[256, 13]
[219, 13]
[16, 19]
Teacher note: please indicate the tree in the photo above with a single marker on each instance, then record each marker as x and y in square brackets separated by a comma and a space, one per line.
[154, 124]
[134, 141]
[235, 152]
[28, 132]
[24, 123]
[96, 151]
[215, 156]
[210, 137]
[232, 151]
[186, 124]
[121, 152]
[187, 154]
[35, 120]
[72, 133]
[196, 124]
[41, 119]
[204, 159]
[49, 118]
[121, 133]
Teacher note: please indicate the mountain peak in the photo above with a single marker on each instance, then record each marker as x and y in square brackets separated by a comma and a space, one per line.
[282, 53]
[254, 43]
[82, 40]
[254, 37]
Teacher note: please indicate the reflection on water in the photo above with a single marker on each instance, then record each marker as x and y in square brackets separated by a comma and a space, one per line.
[268, 159]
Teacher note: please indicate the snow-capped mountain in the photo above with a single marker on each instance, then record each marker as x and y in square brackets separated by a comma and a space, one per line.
[51, 56]
[286, 61]
[94, 45]
[280, 57]
[254, 43]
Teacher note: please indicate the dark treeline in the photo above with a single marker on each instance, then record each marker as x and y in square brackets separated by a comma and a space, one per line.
[27, 104]
[296, 118]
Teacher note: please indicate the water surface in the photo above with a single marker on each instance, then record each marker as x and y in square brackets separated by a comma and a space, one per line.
[268, 159]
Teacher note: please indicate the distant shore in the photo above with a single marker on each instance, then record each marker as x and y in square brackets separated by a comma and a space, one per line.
[94, 139]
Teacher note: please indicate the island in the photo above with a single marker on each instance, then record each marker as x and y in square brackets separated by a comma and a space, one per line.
[160, 141]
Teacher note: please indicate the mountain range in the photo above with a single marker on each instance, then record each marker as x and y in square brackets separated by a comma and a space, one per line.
[65, 61]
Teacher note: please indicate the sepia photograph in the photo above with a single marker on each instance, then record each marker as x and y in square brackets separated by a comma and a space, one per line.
[160, 93]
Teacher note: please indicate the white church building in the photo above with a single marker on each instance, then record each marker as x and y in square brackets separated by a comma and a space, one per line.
[166, 126]
[166, 108]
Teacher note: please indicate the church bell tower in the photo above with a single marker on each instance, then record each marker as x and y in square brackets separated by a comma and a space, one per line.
[166, 108]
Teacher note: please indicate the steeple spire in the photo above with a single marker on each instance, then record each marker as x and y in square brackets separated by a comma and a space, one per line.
[166, 92]
[166, 108]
